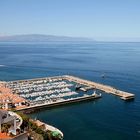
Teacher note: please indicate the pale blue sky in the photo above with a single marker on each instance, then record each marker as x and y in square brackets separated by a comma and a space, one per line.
[99, 19]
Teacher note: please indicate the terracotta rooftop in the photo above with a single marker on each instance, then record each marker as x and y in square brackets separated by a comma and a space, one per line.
[6, 95]
[4, 136]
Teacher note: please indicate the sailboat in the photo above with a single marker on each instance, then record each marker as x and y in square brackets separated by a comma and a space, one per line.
[94, 93]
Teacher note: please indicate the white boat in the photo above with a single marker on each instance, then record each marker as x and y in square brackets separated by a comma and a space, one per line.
[94, 93]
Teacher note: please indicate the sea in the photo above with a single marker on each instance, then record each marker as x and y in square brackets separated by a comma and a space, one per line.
[108, 118]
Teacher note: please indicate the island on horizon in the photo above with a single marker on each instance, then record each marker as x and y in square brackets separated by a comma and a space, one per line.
[42, 38]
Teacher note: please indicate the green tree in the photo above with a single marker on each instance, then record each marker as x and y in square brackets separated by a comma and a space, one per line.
[5, 127]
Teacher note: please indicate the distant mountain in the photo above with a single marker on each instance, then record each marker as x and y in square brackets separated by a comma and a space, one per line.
[40, 38]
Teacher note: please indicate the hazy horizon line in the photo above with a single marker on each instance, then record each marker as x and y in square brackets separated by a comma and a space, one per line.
[99, 38]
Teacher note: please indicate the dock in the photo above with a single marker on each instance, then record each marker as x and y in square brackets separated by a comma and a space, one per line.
[107, 89]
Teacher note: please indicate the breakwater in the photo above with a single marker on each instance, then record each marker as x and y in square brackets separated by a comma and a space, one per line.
[107, 89]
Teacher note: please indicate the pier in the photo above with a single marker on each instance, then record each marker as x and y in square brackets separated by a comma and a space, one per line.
[107, 89]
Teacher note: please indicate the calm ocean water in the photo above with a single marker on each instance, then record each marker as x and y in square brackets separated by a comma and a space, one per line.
[108, 118]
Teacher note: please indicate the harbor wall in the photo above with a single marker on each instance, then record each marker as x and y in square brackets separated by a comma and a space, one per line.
[75, 100]
[105, 88]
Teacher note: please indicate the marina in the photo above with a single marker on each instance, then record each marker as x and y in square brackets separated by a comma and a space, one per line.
[53, 91]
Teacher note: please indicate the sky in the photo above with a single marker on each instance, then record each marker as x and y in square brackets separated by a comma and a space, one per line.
[98, 19]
